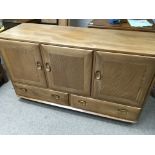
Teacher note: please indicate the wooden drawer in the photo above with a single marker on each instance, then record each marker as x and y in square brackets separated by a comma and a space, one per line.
[107, 109]
[41, 94]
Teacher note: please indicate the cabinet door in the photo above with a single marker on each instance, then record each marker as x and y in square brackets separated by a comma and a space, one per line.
[68, 69]
[24, 62]
[122, 78]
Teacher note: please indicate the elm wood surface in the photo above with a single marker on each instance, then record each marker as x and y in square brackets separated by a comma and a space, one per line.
[104, 107]
[129, 76]
[102, 73]
[141, 43]
[124, 25]
[137, 110]
[68, 69]
[24, 62]
[41, 93]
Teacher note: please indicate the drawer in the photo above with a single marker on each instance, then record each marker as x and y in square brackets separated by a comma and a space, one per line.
[109, 109]
[41, 94]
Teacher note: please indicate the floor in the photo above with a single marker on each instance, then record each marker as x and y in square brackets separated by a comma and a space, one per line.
[19, 116]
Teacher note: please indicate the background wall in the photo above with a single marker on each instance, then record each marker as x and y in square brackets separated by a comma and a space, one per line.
[79, 22]
[74, 22]
[0, 22]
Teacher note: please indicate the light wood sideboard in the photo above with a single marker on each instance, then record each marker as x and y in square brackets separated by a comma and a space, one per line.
[102, 72]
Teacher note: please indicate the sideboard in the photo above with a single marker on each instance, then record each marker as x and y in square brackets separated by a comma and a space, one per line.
[107, 73]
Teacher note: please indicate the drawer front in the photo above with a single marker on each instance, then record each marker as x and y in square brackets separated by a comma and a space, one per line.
[41, 94]
[106, 108]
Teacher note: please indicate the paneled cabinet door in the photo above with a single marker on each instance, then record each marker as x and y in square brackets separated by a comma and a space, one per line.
[122, 78]
[68, 69]
[23, 62]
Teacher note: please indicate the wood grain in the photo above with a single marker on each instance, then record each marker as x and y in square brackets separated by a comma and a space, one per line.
[124, 78]
[106, 108]
[21, 59]
[41, 93]
[70, 68]
[141, 43]
[76, 109]
[112, 71]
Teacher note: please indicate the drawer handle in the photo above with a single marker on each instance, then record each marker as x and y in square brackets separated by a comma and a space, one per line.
[48, 68]
[82, 102]
[123, 111]
[98, 75]
[39, 66]
[57, 97]
[23, 90]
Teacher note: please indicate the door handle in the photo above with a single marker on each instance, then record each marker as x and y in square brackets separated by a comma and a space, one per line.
[48, 68]
[39, 66]
[98, 75]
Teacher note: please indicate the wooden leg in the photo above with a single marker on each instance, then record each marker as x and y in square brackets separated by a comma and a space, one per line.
[153, 91]
[3, 76]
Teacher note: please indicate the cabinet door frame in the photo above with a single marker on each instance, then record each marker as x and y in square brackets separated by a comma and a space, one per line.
[36, 56]
[143, 90]
[81, 53]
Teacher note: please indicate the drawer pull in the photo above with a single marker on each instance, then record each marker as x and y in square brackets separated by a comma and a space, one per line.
[48, 68]
[98, 75]
[83, 103]
[23, 90]
[57, 97]
[123, 111]
[39, 66]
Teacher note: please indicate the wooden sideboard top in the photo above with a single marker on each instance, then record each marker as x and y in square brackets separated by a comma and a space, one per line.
[142, 43]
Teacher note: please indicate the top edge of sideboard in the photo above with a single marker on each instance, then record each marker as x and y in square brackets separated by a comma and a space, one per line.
[139, 43]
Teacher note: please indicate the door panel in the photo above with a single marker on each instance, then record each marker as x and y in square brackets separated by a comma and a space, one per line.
[122, 78]
[68, 69]
[23, 62]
